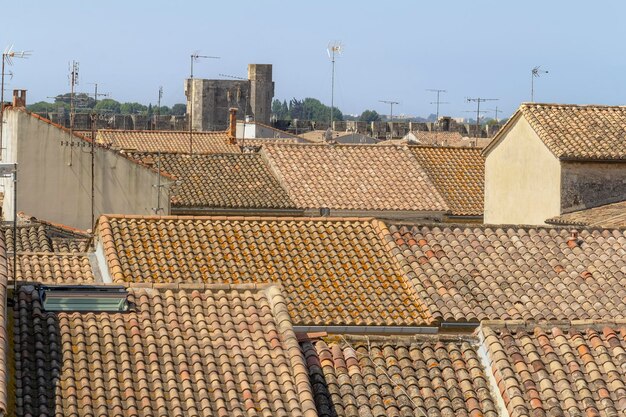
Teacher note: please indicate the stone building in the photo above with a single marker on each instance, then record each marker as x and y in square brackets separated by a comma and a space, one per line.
[552, 159]
[208, 101]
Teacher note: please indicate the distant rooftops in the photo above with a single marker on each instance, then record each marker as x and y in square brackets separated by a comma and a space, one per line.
[168, 141]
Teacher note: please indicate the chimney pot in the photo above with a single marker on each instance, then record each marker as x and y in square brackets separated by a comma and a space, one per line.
[232, 127]
[19, 98]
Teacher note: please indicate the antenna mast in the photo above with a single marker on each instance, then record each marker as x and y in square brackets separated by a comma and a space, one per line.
[194, 57]
[334, 48]
[535, 73]
[479, 100]
[438, 102]
[391, 103]
[7, 57]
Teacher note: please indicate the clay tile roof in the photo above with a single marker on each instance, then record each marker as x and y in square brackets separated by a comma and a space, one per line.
[611, 216]
[579, 132]
[221, 351]
[458, 174]
[221, 180]
[5, 369]
[333, 271]
[417, 376]
[472, 273]
[437, 138]
[167, 141]
[50, 267]
[38, 236]
[550, 371]
[354, 177]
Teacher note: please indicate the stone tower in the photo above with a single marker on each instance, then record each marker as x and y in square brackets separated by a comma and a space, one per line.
[208, 101]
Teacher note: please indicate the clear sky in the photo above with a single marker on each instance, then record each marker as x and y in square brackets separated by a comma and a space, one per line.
[393, 50]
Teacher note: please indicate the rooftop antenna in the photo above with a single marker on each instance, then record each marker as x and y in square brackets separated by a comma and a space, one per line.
[73, 79]
[194, 57]
[535, 73]
[496, 111]
[438, 102]
[391, 103]
[7, 58]
[334, 48]
[479, 100]
[158, 118]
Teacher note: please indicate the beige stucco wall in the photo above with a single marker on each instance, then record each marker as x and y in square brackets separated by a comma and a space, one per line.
[522, 179]
[54, 180]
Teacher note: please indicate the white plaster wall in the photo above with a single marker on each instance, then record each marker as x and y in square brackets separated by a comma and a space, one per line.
[522, 179]
[55, 179]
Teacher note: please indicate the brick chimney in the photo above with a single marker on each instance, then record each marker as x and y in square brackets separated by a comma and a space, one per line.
[19, 98]
[232, 126]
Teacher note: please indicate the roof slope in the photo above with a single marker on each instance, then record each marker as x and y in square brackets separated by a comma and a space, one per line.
[333, 271]
[480, 272]
[354, 177]
[549, 371]
[4, 331]
[608, 216]
[221, 180]
[458, 174]
[579, 132]
[179, 352]
[59, 268]
[417, 376]
[167, 141]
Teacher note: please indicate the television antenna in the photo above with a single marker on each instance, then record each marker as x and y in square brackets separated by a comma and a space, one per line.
[496, 111]
[334, 49]
[438, 102]
[7, 58]
[535, 73]
[194, 58]
[479, 100]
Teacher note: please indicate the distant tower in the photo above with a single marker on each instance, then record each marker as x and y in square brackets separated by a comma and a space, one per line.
[212, 98]
[261, 91]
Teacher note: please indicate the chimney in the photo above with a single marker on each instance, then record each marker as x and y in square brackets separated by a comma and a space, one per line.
[232, 127]
[573, 242]
[19, 98]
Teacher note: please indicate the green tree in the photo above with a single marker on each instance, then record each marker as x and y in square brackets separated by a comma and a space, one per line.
[369, 116]
[179, 109]
[312, 109]
[133, 108]
[42, 107]
[108, 105]
[81, 100]
[280, 110]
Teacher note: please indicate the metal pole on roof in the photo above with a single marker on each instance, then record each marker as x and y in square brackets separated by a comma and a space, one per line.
[438, 102]
[535, 72]
[479, 100]
[7, 56]
[194, 57]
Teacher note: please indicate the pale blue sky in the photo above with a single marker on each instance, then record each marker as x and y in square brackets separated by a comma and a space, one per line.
[393, 50]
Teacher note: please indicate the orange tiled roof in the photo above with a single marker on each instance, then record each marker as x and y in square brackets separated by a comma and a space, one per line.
[221, 180]
[588, 132]
[607, 216]
[549, 370]
[437, 138]
[167, 141]
[58, 268]
[354, 177]
[333, 271]
[203, 351]
[398, 376]
[37, 236]
[458, 174]
[5, 340]
[472, 273]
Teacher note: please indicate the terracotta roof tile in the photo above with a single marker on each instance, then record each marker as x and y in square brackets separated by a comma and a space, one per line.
[437, 138]
[354, 177]
[57, 268]
[418, 376]
[196, 352]
[579, 132]
[332, 271]
[611, 216]
[221, 180]
[549, 371]
[458, 174]
[167, 141]
[36, 236]
[472, 273]
[5, 340]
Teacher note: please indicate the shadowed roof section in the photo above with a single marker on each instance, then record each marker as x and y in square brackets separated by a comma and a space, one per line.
[607, 216]
[398, 376]
[458, 174]
[220, 180]
[201, 351]
[354, 177]
[333, 271]
[576, 132]
[547, 370]
[167, 141]
[472, 273]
